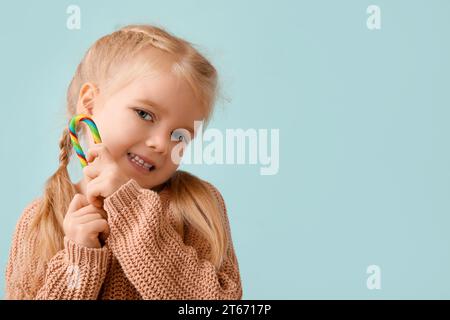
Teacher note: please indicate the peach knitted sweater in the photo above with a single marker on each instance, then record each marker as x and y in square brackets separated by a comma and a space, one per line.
[144, 256]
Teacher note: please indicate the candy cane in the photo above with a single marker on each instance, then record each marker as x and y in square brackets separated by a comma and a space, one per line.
[74, 137]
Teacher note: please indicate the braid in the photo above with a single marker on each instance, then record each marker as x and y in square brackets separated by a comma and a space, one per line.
[65, 149]
[45, 228]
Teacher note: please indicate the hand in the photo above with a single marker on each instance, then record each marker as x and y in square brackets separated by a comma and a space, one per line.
[102, 174]
[84, 223]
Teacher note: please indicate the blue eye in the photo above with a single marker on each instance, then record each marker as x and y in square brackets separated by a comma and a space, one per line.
[142, 114]
[178, 137]
[175, 136]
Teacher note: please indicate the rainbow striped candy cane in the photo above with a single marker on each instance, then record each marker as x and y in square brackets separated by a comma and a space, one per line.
[74, 137]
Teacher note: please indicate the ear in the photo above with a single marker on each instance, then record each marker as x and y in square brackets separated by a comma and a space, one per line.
[88, 94]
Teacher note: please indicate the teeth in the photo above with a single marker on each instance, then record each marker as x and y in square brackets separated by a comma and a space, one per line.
[139, 161]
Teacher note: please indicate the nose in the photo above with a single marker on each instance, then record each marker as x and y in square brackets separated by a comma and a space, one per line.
[158, 141]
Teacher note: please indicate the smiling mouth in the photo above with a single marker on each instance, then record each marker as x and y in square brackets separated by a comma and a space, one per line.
[140, 163]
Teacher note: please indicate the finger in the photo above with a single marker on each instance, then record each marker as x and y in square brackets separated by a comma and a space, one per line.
[105, 233]
[100, 151]
[102, 212]
[96, 226]
[90, 171]
[88, 218]
[99, 202]
[92, 154]
[89, 208]
[78, 201]
[94, 193]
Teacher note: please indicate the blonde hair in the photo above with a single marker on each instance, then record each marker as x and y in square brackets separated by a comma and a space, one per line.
[192, 202]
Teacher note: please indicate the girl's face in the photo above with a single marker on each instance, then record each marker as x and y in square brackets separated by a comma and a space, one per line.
[146, 118]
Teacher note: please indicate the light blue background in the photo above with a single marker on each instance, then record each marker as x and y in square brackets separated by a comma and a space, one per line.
[364, 161]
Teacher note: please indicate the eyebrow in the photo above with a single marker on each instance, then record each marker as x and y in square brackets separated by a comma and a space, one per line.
[150, 103]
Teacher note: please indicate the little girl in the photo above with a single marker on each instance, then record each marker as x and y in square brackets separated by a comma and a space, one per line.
[134, 227]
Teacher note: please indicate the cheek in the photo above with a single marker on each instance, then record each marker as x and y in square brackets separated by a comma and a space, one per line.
[167, 171]
[170, 165]
[117, 141]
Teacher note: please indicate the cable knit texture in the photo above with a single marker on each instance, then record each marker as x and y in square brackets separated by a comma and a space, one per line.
[144, 256]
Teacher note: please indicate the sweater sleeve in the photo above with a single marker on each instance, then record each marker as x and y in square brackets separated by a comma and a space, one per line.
[74, 272]
[154, 256]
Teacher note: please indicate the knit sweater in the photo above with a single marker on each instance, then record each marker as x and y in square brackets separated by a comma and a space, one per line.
[144, 256]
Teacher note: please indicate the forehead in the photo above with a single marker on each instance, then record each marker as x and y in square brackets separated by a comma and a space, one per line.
[170, 94]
